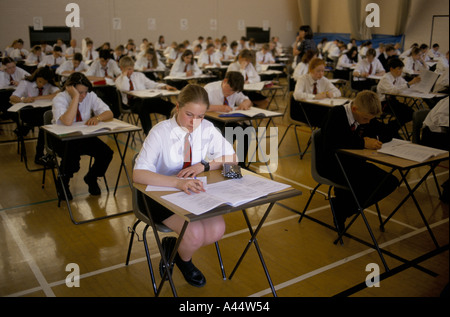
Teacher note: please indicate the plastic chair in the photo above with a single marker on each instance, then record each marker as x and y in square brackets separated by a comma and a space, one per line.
[418, 118]
[141, 215]
[127, 115]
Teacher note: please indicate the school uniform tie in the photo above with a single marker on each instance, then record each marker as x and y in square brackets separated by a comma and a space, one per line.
[315, 89]
[209, 59]
[414, 66]
[131, 89]
[148, 65]
[353, 126]
[11, 80]
[394, 82]
[78, 118]
[38, 60]
[40, 91]
[185, 68]
[225, 101]
[370, 69]
[264, 58]
[90, 55]
[106, 71]
[187, 152]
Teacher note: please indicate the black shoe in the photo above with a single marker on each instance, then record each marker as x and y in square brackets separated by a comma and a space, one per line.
[168, 243]
[191, 274]
[91, 181]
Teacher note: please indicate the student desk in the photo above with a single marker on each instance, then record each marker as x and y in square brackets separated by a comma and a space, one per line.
[213, 177]
[76, 136]
[270, 89]
[223, 122]
[403, 166]
[417, 103]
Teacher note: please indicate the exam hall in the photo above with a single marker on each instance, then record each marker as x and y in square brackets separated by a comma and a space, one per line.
[50, 247]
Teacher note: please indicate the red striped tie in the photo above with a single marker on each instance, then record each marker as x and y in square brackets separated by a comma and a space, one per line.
[79, 114]
[315, 89]
[225, 101]
[40, 91]
[187, 152]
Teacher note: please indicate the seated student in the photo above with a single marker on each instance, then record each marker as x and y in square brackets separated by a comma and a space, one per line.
[104, 67]
[161, 44]
[302, 67]
[119, 52]
[209, 57]
[149, 61]
[314, 85]
[345, 62]
[76, 64]
[176, 53]
[367, 67]
[442, 64]
[392, 83]
[53, 60]
[130, 80]
[60, 43]
[39, 85]
[389, 53]
[365, 47]
[18, 53]
[36, 56]
[222, 52]
[130, 49]
[157, 165]
[11, 75]
[434, 53]
[197, 50]
[46, 49]
[354, 126]
[185, 66]
[72, 49]
[435, 133]
[77, 103]
[245, 64]
[90, 54]
[414, 62]
[264, 56]
[233, 51]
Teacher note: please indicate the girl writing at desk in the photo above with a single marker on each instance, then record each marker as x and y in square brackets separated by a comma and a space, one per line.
[314, 85]
[175, 149]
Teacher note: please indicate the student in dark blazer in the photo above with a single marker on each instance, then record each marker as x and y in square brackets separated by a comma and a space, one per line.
[354, 126]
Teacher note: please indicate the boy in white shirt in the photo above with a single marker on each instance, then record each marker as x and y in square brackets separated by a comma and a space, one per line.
[209, 57]
[53, 60]
[365, 68]
[103, 67]
[129, 80]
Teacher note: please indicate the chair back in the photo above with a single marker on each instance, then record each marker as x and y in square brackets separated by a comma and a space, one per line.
[418, 118]
[139, 206]
[120, 103]
[295, 113]
[315, 141]
[47, 118]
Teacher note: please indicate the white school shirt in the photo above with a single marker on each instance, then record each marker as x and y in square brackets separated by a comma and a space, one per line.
[68, 65]
[143, 62]
[250, 74]
[97, 70]
[442, 65]
[305, 85]
[16, 54]
[50, 60]
[162, 151]
[71, 50]
[389, 84]
[30, 89]
[412, 66]
[91, 103]
[88, 53]
[438, 117]
[18, 75]
[300, 70]
[363, 66]
[344, 62]
[179, 66]
[216, 97]
[140, 82]
[266, 58]
[33, 59]
[204, 59]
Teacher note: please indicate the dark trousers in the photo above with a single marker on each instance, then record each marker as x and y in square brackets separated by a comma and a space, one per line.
[94, 147]
[402, 112]
[144, 107]
[364, 180]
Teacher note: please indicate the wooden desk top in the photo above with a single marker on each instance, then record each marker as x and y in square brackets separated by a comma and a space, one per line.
[215, 116]
[213, 177]
[392, 161]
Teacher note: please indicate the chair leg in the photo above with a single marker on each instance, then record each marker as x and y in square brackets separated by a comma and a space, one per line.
[285, 132]
[308, 202]
[149, 261]
[130, 245]
[334, 217]
[379, 217]
[219, 255]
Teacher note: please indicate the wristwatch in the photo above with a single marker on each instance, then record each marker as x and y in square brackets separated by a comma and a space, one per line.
[205, 164]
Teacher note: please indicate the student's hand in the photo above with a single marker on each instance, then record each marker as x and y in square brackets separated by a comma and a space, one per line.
[15, 83]
[415, 80]
[372, 144]
[72, 92]
[321, 95]
[190, 185]
[92, 121]
[224, 108]
[191, 171]
[168, 87]
[29, 99]
[189, 73]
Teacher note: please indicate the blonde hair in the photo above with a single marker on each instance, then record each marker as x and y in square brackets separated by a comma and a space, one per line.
[368, 101]
[191, 93]
[126, 61]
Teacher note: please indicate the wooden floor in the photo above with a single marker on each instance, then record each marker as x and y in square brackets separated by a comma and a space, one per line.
[38, 240]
